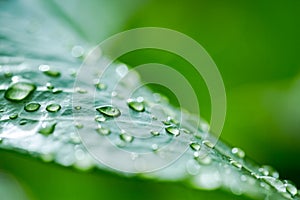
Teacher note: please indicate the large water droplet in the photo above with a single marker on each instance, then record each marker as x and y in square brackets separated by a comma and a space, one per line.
[126, 137]
[109, 111]
[103, 131]
[239, 152]
[54, 107]
[173, 130]
[19, 91]
[23, 122]
[31, 107]
[47, 129]
[195, 146]
[136, 104]
[290, 187]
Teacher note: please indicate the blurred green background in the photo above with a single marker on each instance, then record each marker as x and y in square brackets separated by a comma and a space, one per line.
[255, 45]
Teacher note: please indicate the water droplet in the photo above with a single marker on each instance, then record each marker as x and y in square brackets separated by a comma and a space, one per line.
[290, 187]
[239, 152]
[77, 107]
[78, 125]
[54, 107]
[8, 74]
[47, 128]
[236, 164]
[192, 167]
[19, 91]
[276, 183]
[47, 71]
[173, 130]
[208, 143]
[80, 90]
[136, 105]
[77, 51]
[195, 146]
[13, 116]
[126, 138]
[23, 122]
[122, 70]
[56, 91]
[267, 170]
[100, 86]
[155, 133]
[109, 111]
[103, 131]
[49, 86]
[100, 119]
[31, 107]
[2, 108]
[154, 147]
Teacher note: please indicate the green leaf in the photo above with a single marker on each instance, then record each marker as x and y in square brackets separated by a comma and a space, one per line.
[44, 53]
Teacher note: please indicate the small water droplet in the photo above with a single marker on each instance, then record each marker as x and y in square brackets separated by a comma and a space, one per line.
[114, 93]
[154, 147]
[56, 91]
[276, 183]
[49, 72]
[109, 111]
[103, 131]
[54, 107]
[195, 146]
[100, 119]
[19, 91]
[155, 133]
[136, 105]
[236, 164]
[239, 152]
[173, 130]
[290, 187]
[267, 170]
[8, 74]
[49, 86]
[13, 116]
[23, 122]
[47, 128]
[208, 143]
[80, 90]
[122, 70]
[77, 51]
[100, 86]
[77, 107]
[31, 107]
[78, 125]
[126, 137]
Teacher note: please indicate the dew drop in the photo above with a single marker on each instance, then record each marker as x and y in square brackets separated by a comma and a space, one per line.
[80, 90]
[126, 138]
[136, 104]
[47, 129]
[236, 164]
[155, 133]
[8, 74]
[31, 107]
[100, 119]
[154, 147]
[103, 131]
[19, 91]
[109, 111]
[208, 143]
[267, 170]
[195, 146]
[56, 91]
[54, 107]
[77, 107]
[173, 130]
[239, 152]
[77, 51]
[13, 116]
[23, 122]
[78, 125]
[100, 86]
[290, 187]
[47, 71]
[49, 86]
